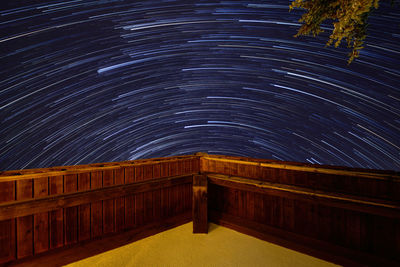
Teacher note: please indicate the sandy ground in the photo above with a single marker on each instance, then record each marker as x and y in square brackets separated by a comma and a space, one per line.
[220, 247]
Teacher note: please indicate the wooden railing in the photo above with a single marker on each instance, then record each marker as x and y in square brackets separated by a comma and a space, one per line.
[331, 212]
[345, 215]
[45, 209]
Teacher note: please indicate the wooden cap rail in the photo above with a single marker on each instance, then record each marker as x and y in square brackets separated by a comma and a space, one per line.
[14, 175]
[375, 174]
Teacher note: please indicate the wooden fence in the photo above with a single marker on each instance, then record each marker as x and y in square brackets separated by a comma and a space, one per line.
[335, 213]
[44, 209]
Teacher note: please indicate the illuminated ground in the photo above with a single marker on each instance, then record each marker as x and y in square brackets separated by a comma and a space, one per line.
[220, 247]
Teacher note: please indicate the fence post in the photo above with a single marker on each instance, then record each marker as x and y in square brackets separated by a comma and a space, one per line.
[200, 224]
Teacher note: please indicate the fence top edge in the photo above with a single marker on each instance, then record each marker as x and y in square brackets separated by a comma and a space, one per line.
[14, 175]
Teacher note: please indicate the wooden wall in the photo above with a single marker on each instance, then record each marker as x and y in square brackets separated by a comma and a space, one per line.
[353, 213]
[44, 209]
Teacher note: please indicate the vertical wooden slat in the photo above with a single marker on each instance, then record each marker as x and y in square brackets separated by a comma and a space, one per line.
[71, 214]
[139, 205]
[96, 207]
[24, 224]
[147, 172]
[164, 202]
[108, 205]
[129, 200]
[259, 212]
[242, 205]
[119, 175]
[196, 165]
[157, 170]
[187, 166]
[41, 220]
[157, 205]
[200, 219]
[353, 229]
[148, 196]
[288, 214]
[164, 172]
[180, 168]
[324, 222]
[301, 222]
[84, 210]
[56, 186]
[173, 168]
[7, 227]
[250, 206]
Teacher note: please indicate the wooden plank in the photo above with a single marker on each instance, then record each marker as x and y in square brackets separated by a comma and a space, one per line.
[15, 209]
[24, 224]
[41, 220]
[242, 204]
[96, 206]
[14, 175]
[139, 201]
[157, 205]
[119, 175]
[173, 168]
[84, 210]
[261, 208]
[148, 209]
[187, 166]
[56, 186]
[200, 220]
[129, 200]
[108, 205]
[147, 172]
[71, 214]
[7, 227]
[164, 170]
[288, 214]
[315, 169]
[181, 167]
[250, 205]
[157, 170]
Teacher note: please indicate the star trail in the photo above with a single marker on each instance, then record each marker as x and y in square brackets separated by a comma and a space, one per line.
[112, 80]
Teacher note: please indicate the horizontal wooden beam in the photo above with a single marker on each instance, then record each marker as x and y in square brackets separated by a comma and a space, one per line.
[366, 174]
[362, 204]
[14, 209]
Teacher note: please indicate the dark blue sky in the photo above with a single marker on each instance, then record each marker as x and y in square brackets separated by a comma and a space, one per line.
[97, 81]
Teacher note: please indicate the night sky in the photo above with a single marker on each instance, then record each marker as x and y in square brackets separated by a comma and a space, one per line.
[97, 81]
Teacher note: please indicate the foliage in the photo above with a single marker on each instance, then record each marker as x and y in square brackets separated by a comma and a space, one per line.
[349, 20]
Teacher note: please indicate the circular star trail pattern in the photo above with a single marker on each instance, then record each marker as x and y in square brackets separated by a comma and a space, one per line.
[99, 81]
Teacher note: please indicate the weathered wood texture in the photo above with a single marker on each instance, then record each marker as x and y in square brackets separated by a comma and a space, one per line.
[43, 209]
[353, 216]
[200, 220]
